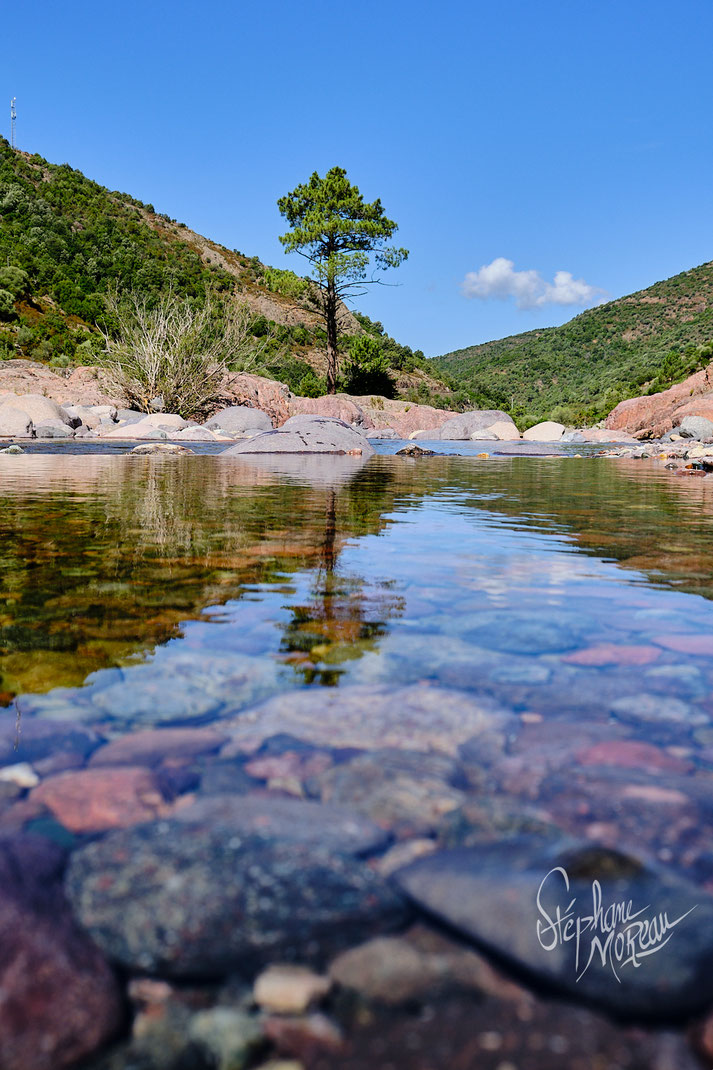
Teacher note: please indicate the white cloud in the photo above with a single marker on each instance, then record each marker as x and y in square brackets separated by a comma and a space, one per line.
[500, 280]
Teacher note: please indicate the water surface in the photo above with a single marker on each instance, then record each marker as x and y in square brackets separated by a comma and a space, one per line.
[159, 591]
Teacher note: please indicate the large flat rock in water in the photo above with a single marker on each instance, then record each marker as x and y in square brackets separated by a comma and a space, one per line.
[306, 434]
[646, 954]
[367, 717]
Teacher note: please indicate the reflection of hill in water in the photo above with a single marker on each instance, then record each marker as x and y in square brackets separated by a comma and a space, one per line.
[102, 558]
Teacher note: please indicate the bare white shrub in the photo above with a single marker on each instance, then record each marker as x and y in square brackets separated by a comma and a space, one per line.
[176, 351]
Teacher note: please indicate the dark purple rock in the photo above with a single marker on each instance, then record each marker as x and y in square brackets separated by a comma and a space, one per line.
[59, 1000]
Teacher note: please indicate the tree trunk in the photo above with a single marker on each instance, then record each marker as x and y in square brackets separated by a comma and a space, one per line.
[330, 307]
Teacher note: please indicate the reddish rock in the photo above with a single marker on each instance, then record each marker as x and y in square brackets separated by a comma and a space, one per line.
[613, 654]
[95, 799]
[338, 406]
[59, 1000]
[153, 746]
[83, 387]
[305, 1037]
[631, 754]
[260, 393]
[655, 414]
[404, 416]
[687, 643]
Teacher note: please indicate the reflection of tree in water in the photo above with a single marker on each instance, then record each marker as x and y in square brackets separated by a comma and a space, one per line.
[343, 619]
[102, 558]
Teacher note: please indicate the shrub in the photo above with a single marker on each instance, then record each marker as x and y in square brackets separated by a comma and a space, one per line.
[176, 350]
[7, 306]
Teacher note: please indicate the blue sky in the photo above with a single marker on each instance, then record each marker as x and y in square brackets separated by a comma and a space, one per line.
[541, 137]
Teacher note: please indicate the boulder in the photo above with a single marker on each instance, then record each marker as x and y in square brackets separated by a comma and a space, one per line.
[37, 407]
[82, 415]
[416, 451]
[126, 416]
[142, 430]
[59, 1001]
[153, 746]
[166, 421]
[465, 424]
[257, 392]
[654, 414]
[506, 895]
[82, 387]
[91, 800]
[605, 434]
[547, 431]
[14, 423]
[184, 900]
[366, 717]
[306, 434]
[239, 418]
[167, 448]
[697, 427]
[338, 406]
[404, 416]
[384, 433]
[291, 820]
[503, 430]
[194, 434]
[53, 429]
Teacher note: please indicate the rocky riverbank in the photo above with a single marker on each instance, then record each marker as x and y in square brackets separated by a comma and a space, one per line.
[38, 403]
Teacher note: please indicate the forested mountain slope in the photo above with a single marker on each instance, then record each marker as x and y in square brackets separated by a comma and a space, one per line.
[578, 372]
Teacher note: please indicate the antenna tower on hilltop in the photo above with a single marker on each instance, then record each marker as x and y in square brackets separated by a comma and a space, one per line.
[13, 116]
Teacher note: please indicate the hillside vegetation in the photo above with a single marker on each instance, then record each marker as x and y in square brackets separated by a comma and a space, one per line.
[578, 372]
[66, 241]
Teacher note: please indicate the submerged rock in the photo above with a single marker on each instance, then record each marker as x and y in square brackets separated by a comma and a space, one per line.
[91, 800]
[193, 901]
[400, 790]
[59, 1000]
[490, 894]
[409, 718]
[289, 989]
[520, 632]
[287, 820]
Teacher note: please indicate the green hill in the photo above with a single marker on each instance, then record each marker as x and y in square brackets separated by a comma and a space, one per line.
[578, 372]
[65, 240]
